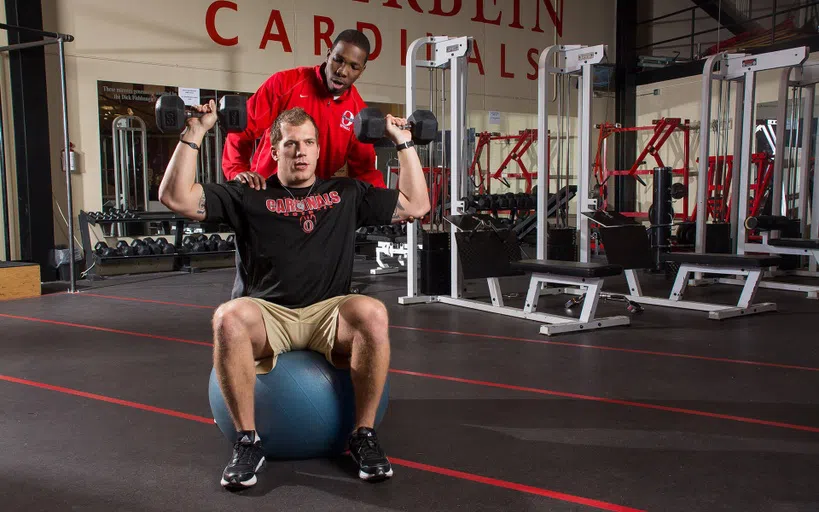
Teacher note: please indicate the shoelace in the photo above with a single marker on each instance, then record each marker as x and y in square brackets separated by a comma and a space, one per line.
[367, 447]
[244, 454]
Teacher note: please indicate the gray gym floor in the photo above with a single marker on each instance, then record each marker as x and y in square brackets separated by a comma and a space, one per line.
[104, 406]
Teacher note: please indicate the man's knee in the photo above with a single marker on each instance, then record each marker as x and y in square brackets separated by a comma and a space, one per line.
[366, 314]
[234, 317]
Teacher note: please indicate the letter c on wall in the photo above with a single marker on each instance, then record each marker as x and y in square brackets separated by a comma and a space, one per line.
[210, 22]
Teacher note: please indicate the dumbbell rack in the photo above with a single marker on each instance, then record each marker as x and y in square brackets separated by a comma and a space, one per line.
[391, 242]
[179, 260]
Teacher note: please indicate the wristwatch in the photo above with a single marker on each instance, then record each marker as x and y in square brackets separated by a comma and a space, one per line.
[404, 145]
[191, 144]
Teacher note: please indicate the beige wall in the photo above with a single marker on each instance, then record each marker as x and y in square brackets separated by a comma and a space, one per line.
[167, 43]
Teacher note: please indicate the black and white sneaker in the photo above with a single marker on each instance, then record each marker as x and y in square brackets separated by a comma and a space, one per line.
[373, 464]
[248, 458]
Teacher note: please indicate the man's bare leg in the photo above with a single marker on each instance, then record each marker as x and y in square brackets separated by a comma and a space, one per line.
[239, 338]
[362, 338]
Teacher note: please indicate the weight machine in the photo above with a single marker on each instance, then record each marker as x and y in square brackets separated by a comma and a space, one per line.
[739, 70]
[574, 62]
[803, 84]
[791, 182]
[495, 256]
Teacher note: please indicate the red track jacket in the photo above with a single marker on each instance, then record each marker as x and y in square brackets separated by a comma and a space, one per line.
[302, 87]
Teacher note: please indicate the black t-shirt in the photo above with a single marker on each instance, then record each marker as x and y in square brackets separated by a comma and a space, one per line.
[297, 252]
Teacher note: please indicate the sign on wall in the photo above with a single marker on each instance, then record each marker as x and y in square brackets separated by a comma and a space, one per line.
[518, 19]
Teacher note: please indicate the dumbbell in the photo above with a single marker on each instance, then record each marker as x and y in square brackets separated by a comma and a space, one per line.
[215, 243]
[196, 243]
[370, 126]
[103, 250]
[153, 245]
[124, 249]
[171, 113]
[165, 246]
[231, 241]
[140, 248]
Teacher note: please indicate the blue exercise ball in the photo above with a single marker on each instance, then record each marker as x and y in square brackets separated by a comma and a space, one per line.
[305, 407]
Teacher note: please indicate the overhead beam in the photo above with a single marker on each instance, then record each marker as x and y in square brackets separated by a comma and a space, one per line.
[732, 21]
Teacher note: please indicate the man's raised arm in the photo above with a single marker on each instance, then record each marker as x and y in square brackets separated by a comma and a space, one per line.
[413, 195]
[179, 191]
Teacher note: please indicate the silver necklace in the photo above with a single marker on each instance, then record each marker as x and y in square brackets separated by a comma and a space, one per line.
[300, 202]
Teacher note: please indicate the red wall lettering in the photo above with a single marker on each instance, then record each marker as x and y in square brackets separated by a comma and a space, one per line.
[395, 5]
[479, 17]
[504, 73]
[438, 11]
[375, 50]
[404, 44]
[281, 35]
[322, 35]
[210, 22]
[476, 58]
[557, 19]
[532, 55]
[516, 16]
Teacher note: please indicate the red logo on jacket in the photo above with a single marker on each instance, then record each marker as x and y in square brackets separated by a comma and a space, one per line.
[347, 120]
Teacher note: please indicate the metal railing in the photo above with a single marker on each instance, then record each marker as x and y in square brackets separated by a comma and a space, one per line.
[692, 12]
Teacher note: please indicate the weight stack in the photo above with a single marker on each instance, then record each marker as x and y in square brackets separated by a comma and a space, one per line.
[790, 261]
[718, 238]
[435, 264]
[661, 215]
[561, 244]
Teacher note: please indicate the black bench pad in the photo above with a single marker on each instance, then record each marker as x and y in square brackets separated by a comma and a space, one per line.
[794, 243]
[567, 268]
[723, 260]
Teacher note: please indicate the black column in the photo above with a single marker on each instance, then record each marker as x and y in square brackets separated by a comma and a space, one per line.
[29, 111]
[626, 102]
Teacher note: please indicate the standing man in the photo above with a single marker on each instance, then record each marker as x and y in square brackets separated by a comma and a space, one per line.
[327, 93]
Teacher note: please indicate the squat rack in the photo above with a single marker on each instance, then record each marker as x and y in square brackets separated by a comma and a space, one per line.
[59, 40]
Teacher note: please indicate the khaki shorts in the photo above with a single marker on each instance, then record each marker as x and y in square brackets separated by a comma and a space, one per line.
[309, 328]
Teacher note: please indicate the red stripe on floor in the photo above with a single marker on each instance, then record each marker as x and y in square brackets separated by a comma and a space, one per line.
[105, 329]
[150, 301]
[576, 396]
[480, 383]
[614, 349]
[102, 398]
[513, 486]
[400, 462]
[528, 340]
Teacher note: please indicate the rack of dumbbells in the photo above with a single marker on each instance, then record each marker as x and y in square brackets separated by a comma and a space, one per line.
[519, 210]
[391, 242]
[155, 253]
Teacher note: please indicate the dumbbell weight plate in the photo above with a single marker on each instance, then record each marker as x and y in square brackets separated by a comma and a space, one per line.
[171, 113]
[369, 125]
[423, 126]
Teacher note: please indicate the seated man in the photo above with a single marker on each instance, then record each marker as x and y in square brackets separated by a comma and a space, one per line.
[296, 238]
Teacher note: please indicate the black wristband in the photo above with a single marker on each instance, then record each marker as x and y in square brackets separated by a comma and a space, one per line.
[191, 144]
[404, 145]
